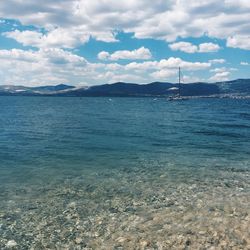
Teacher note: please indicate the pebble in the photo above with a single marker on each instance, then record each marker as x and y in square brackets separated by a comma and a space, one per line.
[72, 205]
[144, 243]
[122, 239]
[11, 243]
[202, 232]
[78, 240]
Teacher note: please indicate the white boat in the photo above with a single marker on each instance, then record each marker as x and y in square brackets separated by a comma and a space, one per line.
[178, 97]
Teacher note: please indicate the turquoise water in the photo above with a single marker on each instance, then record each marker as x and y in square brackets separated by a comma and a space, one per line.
[124, 173]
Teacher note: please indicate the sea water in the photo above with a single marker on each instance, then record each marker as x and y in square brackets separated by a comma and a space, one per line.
[124, 173]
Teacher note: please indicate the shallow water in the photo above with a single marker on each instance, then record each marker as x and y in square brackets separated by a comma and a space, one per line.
[124, 173]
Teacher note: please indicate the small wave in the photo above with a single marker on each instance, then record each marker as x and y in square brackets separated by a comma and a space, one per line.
[226, 125]
[245, 115]
[218, 133]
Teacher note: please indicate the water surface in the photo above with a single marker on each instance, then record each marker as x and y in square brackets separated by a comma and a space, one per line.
[124, 173]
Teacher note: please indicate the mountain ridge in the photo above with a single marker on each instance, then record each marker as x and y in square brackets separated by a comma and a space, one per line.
[123, 89]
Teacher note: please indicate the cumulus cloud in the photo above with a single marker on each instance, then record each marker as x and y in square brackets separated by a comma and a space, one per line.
[217, 61]
[137, 54]
[222, 69]
[244, 63]
[164, 20]
[103, 55]
[191, 48]
[166, 68]
[45, 66]
[58, 37]
[208, 47]
[54, 66]
[59, 27]
[239, 41]
[173, 62]
[220, 76]
[218, 70]
[184, 46]
[163, 74]
[170, 63]
[191, 79]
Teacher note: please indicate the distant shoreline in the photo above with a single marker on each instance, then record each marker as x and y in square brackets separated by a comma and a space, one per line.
[229, 89]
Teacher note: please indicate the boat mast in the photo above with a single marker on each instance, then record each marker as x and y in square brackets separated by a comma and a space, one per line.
[179, 91]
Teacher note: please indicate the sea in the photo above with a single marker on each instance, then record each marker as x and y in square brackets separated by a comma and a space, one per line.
[124, 173]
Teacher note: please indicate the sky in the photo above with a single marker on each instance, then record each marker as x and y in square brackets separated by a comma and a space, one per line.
[85, 43]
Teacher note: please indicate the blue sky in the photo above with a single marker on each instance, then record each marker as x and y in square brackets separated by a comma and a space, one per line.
[82, 42]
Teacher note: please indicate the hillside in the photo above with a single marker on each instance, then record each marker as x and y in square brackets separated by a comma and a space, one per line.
[237, 87]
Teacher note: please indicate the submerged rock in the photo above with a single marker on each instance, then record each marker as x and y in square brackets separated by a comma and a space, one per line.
[11, 244]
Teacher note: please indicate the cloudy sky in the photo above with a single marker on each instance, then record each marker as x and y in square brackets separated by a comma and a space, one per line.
[83, 42]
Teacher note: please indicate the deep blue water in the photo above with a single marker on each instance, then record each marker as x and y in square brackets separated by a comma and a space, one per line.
[39, 134]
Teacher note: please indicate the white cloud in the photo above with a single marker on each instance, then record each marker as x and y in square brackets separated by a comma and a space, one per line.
[124, 78]
[166, 68]
[217, 61]
[163, 74]
[222, 71]
[184, 46]
[239, 41]
[191, 48]
[61, 38]
[113, 66]
[218, 70]
[67, 24]
[220, 76]
[163, 19]
[208, 47]
[166, 73]
[233, 69]
[54, 66]
[170, 63]
[103, 55]
[173, 62]
[25, 37]
[191, 79]
[245, 63]
[142, 66]
[137, 54]
[39, 67]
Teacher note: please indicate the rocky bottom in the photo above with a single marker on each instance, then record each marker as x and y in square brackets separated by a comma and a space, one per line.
[156, 208]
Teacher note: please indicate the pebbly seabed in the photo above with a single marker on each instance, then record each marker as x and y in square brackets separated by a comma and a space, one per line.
[121, 209]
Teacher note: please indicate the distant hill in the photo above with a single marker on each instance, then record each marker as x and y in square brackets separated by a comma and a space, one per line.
[236, 87]
[151, 89]
[33, 91]
[49, 89]
[240, 86]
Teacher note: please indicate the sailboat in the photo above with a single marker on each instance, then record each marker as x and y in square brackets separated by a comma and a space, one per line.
[178, 96]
